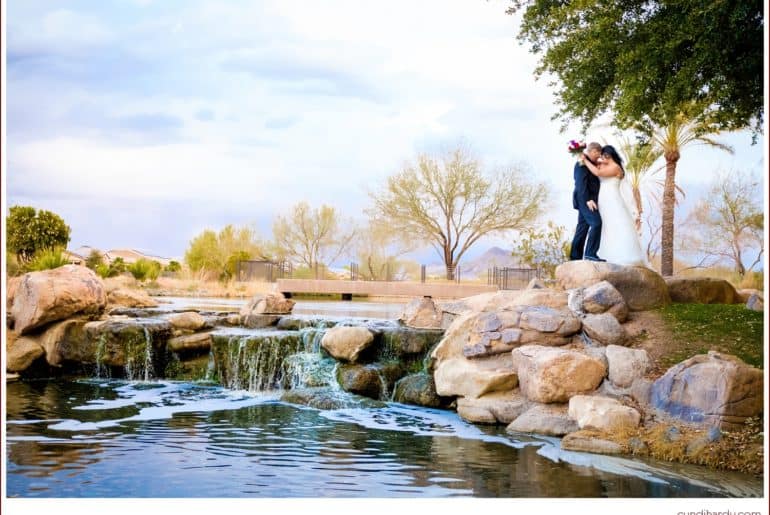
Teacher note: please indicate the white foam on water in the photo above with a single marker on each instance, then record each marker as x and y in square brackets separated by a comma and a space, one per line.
[165, 400]
[417, 420]
[429, 422]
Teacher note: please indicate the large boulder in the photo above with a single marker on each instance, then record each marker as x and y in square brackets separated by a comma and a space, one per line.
[701, 290]
[602, 413]
[130, 298]
[52, 295]
[347, 343]
[361, 380]
[422, 313]
[717, 389]
[626, 365]
[268, 304]
[756, 302]
[530, 297]
[603, 297]
[124, 343]
[474, 378]
[188, 321]
[544, 420]
[190, 343]
[22, 352]
[418, 389]
[604, 329]
[10, 291]
[745, 294]
[641, 288]
[493, 408]
[551, 375]
[583, 443]
[66, 341]
[501, 331]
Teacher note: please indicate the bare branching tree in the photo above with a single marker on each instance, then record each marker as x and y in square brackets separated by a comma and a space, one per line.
[449, 203]
[312, 236]
[729, 222]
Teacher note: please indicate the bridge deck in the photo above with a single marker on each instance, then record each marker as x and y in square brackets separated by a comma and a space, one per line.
[383, 288]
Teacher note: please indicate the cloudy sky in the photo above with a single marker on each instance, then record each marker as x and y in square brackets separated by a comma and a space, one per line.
[144, 122]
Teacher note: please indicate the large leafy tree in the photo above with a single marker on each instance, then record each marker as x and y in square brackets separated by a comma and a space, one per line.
[449, 203]
[30, 231]
[645, 59]
[216, 253]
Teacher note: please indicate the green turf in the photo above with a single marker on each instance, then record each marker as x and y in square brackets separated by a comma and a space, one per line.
[729, 328]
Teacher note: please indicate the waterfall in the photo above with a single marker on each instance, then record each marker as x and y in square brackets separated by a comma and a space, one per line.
[255, 362]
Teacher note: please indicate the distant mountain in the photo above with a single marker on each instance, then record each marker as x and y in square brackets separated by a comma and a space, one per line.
[494, 256]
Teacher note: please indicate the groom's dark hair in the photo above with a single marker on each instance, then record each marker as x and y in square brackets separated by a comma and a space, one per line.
[594, 146]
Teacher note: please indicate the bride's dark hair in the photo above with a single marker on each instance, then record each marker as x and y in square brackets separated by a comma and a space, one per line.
[609, 150]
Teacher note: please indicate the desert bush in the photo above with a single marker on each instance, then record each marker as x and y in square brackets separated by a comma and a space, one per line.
[143, 269]
[48, 259]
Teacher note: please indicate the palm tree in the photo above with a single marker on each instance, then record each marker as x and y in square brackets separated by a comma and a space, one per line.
[670, 139]
[640, 157]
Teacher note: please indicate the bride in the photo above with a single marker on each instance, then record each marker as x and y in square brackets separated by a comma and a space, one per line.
[619, 242]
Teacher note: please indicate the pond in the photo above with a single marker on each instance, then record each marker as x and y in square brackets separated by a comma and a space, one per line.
[96, 438]
[92, 437]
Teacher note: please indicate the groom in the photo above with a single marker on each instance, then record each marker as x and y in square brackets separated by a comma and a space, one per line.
[584, 199]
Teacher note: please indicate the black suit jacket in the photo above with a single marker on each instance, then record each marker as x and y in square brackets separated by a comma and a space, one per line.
[586, 186]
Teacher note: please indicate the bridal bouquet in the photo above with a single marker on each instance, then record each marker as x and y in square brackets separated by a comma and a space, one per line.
[576, 147]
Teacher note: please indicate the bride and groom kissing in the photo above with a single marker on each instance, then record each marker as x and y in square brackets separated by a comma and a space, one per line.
[605, 226]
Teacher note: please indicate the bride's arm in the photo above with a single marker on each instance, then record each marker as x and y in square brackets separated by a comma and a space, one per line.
[591, 167]
[608, 170]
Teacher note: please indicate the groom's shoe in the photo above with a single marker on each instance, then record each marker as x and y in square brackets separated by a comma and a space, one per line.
[595, 258]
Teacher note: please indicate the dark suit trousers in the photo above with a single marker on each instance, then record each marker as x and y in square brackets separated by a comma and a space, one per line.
[589, 224]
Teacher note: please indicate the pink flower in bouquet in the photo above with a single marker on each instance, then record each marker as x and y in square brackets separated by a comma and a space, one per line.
[576, 147]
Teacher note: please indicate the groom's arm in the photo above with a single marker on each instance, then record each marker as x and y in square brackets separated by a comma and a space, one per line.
[582, 192]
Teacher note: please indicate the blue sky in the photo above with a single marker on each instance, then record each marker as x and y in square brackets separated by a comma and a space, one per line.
[144, 122]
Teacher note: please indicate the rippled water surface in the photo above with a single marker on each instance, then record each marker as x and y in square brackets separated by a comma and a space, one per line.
[94, 438]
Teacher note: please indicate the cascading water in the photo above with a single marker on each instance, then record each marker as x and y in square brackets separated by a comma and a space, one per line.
[254, 362]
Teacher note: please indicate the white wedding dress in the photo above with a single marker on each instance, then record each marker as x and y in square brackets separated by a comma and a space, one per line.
[620, 242]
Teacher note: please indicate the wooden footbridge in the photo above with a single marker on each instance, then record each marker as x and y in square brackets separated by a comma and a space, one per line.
[381, 288]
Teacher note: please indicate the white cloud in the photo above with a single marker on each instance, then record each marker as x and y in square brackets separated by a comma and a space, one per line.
[250, 107]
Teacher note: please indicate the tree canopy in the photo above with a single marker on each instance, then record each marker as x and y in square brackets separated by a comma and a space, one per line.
[728, 223]
[449, 203]
[645, 59]
[216, 253]
[30, 231]
[312, 236]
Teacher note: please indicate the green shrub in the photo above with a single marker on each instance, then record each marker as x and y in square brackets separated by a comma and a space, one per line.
[173, 266]
[145, 269]
[117, 267]
[48, 260]
[94, 259]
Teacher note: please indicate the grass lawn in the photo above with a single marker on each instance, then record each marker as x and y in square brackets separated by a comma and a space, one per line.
[728, 328]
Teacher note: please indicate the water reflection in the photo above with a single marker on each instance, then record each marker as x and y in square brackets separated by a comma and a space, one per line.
[183, 440]
[332, 308]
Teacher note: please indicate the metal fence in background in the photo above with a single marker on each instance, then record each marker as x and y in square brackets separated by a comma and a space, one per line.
[268, 271]
[511, 278]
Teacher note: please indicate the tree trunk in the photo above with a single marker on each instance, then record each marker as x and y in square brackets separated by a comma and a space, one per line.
[638, 202]
[667, 216]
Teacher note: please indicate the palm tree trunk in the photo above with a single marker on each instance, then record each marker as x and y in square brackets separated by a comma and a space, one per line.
[667, 216]
[638, 202]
